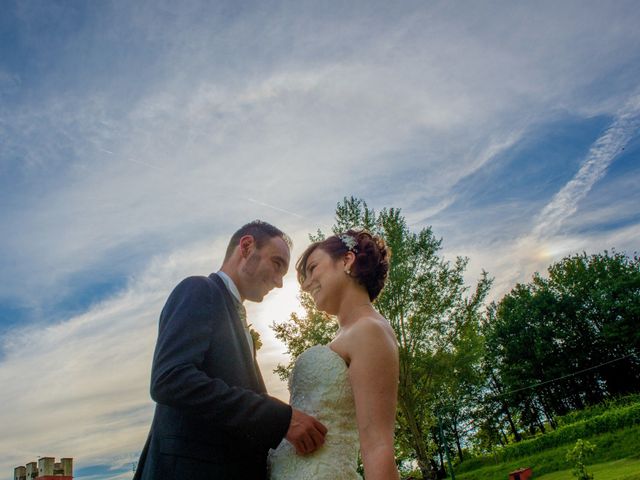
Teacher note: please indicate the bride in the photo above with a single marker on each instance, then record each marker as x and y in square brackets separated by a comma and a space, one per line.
[351, 384]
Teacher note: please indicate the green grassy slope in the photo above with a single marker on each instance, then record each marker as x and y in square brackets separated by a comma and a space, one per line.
[610, 447]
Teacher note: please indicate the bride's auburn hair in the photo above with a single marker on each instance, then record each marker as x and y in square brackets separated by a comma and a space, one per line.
[371, 264]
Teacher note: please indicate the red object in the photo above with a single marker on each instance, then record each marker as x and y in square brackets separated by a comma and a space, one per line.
[522, 474]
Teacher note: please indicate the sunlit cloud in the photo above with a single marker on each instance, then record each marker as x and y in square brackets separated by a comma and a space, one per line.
[626, 124]
[136, 138]
[87, 378]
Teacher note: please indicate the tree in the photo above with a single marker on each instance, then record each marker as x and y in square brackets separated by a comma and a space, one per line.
[557, 344]
[578, 455]
[435, 321]
[602, 293]
[303, 332]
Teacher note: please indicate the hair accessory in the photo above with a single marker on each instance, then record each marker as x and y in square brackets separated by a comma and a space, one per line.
[350, 242]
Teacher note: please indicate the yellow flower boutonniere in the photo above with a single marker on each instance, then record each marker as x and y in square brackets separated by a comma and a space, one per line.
[255, 336]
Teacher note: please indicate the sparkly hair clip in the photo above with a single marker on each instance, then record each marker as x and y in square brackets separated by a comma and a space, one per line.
[350, 242]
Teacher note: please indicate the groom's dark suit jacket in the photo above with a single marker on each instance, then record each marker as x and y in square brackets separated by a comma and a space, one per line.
[213, 418]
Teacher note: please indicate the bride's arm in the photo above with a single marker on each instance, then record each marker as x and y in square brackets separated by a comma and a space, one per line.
[373, 372]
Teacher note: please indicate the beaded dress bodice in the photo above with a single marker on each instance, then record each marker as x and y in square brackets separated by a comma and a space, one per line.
[319, 386]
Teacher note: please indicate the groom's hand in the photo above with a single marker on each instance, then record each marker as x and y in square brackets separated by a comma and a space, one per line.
[305, 433]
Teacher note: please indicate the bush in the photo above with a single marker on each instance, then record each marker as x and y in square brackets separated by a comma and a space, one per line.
[578, 455]
[599, 409]
[609, 421]
[612, 446]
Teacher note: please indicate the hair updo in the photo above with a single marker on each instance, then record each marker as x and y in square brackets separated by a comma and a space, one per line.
[371, 264]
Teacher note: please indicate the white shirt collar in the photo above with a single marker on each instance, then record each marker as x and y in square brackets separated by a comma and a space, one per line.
[230, 285]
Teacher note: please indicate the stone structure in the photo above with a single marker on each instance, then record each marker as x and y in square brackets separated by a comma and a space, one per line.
[45, 469]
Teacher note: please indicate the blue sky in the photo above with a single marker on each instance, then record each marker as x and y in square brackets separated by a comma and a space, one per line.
[135, 138]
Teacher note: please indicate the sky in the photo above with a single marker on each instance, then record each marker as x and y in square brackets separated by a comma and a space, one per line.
[136, 137]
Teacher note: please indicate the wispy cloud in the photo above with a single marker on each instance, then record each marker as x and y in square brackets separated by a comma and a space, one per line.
[548, 239]
[80, 387]
[565, 203]
[135, 138]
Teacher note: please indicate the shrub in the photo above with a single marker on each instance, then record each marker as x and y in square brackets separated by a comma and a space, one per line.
[599, 409]
[577, 455]
[609, 421]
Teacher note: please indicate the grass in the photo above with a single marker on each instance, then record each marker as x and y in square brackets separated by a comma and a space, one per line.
[619, 446]
[625, 469]
[612, 420]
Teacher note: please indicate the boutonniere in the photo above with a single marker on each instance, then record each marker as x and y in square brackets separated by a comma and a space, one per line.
[255, 338]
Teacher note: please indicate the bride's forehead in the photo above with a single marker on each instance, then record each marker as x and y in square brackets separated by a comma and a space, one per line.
[318, 255]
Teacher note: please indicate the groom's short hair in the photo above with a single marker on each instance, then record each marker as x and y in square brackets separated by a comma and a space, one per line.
[261, 233]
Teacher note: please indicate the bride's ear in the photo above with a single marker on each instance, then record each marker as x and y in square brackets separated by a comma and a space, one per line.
[349, 259]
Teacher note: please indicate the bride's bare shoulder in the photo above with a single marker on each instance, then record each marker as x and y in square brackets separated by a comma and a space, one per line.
[372, 331]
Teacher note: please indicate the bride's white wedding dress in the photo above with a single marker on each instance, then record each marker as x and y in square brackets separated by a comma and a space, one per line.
[319, 386]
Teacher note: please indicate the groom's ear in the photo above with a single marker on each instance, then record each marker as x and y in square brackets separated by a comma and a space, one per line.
[247, 245]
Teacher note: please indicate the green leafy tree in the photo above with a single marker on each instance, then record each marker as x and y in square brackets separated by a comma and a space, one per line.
[601, 295]
[303, 331]
[435, 320]
[558, 343]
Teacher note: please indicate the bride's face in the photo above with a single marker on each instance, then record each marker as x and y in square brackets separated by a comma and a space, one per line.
[324, 280]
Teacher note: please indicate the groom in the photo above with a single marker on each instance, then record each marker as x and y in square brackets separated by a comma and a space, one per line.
[213, 418]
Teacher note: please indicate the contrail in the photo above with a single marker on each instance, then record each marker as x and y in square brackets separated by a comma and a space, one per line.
[275, 208]
[144, 163]
[133, 161]
[129, 159]
[594, 167]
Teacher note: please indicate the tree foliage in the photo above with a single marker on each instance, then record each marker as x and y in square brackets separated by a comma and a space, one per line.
[559, 343]
[495, 374]
[303, 331]
[435, 320]
[578, 456]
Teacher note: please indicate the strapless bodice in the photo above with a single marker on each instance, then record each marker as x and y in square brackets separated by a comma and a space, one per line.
[319, 386]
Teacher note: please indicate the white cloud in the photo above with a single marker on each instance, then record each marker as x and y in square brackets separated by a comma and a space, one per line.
[213, 115]
[80, 387]
[548, 240]
[594, 167]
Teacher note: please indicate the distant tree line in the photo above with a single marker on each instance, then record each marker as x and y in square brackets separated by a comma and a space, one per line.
[489, 374]
[559, 344]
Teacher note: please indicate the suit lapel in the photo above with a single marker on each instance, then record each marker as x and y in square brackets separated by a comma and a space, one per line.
[238, 329]
[263, 387]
